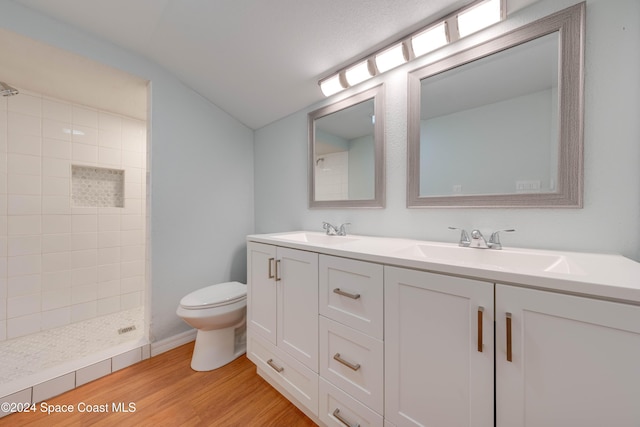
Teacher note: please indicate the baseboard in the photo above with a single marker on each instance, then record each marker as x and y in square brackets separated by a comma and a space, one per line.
[172, 342]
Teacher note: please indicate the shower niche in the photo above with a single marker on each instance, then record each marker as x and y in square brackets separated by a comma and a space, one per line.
[97, 187]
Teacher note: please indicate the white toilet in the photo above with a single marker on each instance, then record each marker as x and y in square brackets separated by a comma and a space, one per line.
[218, 312]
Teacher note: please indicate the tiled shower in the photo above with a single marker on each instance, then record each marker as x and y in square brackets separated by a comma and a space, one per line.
[72, 219]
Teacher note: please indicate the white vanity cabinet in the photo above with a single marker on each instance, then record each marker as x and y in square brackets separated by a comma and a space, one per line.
[282, 318]
[439, 350]
[575, 361]
[355, 334]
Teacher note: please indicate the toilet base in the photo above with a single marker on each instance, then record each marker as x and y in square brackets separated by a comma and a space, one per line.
[218, 347]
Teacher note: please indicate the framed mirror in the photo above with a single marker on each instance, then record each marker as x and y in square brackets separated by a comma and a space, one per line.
[346, 152]
[501, 124]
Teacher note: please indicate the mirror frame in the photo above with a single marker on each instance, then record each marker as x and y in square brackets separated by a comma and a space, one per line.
[569, 23]
[377, 94]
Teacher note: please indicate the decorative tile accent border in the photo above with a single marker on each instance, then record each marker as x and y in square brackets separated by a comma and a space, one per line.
[97, 187]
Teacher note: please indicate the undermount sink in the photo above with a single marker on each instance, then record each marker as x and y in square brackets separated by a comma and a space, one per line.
[505, 259]
[315, 238]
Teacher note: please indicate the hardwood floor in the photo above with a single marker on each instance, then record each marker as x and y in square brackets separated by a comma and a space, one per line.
[166, 392]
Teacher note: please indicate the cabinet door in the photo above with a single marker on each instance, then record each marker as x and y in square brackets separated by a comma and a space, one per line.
[261, 290]
[574, 361]
[298, 305]
[435, 374]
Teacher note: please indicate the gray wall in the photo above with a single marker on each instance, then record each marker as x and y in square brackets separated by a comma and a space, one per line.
[610, 220]
[202, 173]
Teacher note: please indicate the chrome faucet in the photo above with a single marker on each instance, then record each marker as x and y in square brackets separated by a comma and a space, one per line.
[478, 241]
[332, 230]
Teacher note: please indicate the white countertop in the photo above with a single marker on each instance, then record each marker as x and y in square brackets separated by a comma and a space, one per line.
[598, 275]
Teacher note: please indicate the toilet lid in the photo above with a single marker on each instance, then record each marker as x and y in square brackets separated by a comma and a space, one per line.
[215, 295]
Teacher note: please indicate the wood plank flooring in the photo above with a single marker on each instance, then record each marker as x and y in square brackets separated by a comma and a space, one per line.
[166, 392]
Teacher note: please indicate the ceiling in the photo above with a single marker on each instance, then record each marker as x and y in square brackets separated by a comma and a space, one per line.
[257, 60]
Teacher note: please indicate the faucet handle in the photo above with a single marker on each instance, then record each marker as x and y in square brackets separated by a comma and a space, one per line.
[464, 237]
[342, 231]
[494, 240]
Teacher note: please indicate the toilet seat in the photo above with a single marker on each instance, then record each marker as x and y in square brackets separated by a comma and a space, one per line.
[214, 296]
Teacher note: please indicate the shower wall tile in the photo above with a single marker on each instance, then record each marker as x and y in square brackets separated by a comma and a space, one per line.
[109, 289]
[84, 116]
[56, 205]
[24, 184]
[23, 224]
[56, 318]
[23, 305]
[54, 148]
[108, 305]
[107, 121]
[24, 245]
[84, 293]
[84, 311]
[84, 259]
[53, 186]
[109, 157]
[84, 135]
[24, 265]
[52, 167]
[26, 104]
[110, 255]
[52, 300]
[83, 153]
[55, 261]
[54, 224]
[80, 241]
[56, 130]
[22, 205]
[24, 285]
[25, 325]
[109, 239]
[23, 164]
[110, 139]
[56, 280]
[52, 109]
[56, 243]
[85, 223]
[84, 276]
[61, 263]
[20, 124]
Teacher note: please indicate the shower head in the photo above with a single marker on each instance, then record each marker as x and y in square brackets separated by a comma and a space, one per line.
[6, 90]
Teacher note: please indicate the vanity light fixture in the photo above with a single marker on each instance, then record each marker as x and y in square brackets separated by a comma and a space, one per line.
[467, 20]
[479, 16]
[359, 73]
[332, 85]
[391, 58]
[430, 39]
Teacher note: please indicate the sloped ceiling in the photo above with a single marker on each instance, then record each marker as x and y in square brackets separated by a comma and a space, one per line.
[258, 60]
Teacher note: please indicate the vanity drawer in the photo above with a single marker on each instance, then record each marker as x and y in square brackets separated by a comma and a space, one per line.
[352, 361]
[338, 409]
[351, 292]
[300, 381]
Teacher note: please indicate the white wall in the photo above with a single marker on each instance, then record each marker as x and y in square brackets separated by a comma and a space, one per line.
[67, 263]
[610, 219]
[201, 173]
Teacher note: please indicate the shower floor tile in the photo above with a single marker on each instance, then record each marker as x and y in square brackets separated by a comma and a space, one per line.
[28, 355]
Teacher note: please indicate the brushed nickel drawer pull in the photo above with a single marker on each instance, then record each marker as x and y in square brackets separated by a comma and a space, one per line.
[480, 315]
[336, 414]
[346, 294]
[277, 368]
[271, 276]
[509, 343]
[345, 363]
[278, 278]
